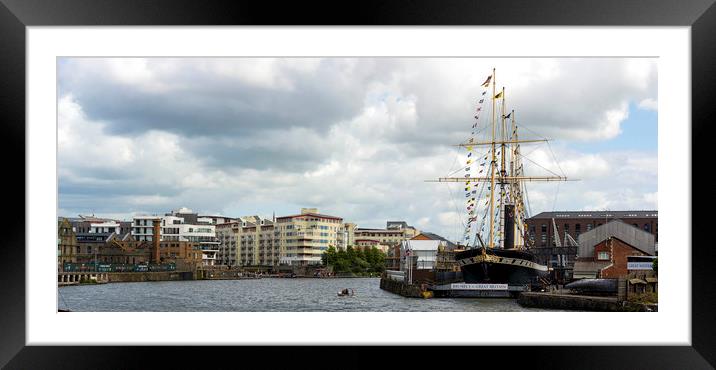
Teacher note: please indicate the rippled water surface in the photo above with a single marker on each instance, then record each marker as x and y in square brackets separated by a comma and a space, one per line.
[268, 294]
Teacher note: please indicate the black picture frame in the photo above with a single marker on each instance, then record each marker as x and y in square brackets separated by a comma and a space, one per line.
[16, 15]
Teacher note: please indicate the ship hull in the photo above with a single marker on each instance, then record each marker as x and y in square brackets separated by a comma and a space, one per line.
[499, 266]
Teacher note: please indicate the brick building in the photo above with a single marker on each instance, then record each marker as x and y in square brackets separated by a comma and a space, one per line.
[604, 251]
[574, 223]
[97, 245]
[67, 247]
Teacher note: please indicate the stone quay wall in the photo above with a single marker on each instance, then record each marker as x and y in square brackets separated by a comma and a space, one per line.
[568, 302]
[127, 277]
[399, 287]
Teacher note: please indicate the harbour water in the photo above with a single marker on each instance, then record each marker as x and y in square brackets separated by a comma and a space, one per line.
[263, 295]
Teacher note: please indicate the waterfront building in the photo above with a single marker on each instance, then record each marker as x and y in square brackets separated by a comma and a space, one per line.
[422, 253]
[366, 244]
[67, 247]
[181, 225]
[346, 236]
[424, 235]
[383, 236]
[604, 251]
[249, 241]
[408, 231]
[113, 248]
[306, 236]
[394, 254]
[92, 224]
[392, 258]
[394, 233]
[218, 220]
[574, 223]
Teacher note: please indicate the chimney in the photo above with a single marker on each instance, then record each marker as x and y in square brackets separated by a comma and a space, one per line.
[156, 237]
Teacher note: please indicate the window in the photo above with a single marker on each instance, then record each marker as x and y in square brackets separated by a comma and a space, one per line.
[603, 256]
[544, 228]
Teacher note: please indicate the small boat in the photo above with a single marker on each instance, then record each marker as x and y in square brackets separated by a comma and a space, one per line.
[345, 293]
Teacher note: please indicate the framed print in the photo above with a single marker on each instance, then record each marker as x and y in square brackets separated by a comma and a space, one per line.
[229, 175]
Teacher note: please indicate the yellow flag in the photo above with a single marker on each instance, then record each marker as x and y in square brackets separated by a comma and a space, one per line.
[469, 148]
[499, 95]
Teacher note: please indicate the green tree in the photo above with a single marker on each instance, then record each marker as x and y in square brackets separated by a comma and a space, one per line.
[351, 253]
[655, 264]
[329, 256]
[359, 254]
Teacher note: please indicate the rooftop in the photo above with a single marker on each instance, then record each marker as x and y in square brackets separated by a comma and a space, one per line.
[597, 214]
[311, 214]
[360, 229]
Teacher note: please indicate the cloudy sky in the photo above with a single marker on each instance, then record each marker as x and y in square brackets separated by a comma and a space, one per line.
[354, 137]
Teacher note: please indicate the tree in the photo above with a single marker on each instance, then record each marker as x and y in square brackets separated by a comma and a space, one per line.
[329, 256]
[655, 264]
[359, 253]
[351, 252]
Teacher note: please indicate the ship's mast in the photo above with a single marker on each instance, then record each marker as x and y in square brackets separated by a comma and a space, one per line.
[514, 180]
[491, 244]
[503, 172]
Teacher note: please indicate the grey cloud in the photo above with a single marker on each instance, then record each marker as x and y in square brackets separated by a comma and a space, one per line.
[244, 144]
[199, 103]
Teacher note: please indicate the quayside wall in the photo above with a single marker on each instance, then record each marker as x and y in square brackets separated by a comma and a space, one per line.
[127, 277]
[568, 302]
[399, 287]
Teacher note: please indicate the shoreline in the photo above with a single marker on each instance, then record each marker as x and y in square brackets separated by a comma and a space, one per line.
[64, 285]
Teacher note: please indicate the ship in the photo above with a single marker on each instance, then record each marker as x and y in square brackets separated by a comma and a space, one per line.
[497, 245]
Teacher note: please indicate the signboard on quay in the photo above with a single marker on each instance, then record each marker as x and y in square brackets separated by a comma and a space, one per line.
[640, 266]
[463, 286]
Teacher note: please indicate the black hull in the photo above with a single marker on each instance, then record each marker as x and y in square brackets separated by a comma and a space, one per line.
[483, 272]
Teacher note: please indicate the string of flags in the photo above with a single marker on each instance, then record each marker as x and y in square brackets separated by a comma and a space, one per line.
[471, 189]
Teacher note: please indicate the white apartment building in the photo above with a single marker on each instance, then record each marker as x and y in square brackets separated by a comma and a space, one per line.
[104, 227]
[306, 236]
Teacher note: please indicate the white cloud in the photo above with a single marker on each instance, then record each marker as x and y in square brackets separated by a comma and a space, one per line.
[367, 163]
[649, 104]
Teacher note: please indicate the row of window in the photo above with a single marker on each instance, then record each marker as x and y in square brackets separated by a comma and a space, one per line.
[578, 227]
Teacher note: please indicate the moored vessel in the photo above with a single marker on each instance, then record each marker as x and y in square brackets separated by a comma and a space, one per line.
[496, 245]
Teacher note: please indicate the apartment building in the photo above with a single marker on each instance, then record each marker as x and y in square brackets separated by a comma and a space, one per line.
[394, 233]
[92, 224]
[346, 235]
[408, 231]
[248, 241]
[305, 236]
